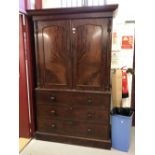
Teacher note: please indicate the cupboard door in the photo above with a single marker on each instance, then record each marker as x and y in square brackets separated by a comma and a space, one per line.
[89, 46]
[53, 53]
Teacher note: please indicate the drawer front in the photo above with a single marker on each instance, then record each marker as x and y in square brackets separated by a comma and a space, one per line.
[73, 128]
[73, 112]
[80, 98]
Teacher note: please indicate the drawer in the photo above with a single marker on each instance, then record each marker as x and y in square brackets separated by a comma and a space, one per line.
[76, 98]
[73, 112]
[73, 128]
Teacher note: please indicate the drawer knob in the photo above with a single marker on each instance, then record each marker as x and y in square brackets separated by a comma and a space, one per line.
[52, 98]
[70, 122]
[89, 130]
[53, 125]
[89, 101]
[90, 115]
[53, 112]
[70, 108]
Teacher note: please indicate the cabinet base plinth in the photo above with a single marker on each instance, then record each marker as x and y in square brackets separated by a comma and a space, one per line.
[106, 144]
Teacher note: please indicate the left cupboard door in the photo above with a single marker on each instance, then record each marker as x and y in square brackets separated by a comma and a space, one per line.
[53, 57]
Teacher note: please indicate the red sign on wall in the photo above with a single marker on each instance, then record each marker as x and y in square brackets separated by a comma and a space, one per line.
[127, 42]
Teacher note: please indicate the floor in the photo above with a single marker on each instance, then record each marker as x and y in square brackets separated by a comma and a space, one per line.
[38, 147]
[22, 143]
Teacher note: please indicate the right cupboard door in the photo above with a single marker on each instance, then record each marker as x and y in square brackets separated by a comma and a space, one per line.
[89, 45]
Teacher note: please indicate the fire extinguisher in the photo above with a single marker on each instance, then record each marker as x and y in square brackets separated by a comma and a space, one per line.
[125, 92]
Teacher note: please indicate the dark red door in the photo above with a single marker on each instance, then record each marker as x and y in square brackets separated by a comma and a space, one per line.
[26, 120]
[24, 125]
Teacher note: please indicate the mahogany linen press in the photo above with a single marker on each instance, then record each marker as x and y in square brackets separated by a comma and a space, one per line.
[71, 57]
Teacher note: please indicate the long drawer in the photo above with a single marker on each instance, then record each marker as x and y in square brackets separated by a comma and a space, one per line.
[72, 112]
[73, 128]
[72, 98]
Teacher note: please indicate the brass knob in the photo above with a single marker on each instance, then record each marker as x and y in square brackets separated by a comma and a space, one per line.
[53, 125]
[89, 101]
[70, 122]
[70, 108]
[89, 115]
[52, 98]
[89, 130]
[74, 30]
[53, 112]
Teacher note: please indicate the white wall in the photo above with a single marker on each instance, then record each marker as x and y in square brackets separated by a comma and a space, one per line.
[126, 10]
[123, 57]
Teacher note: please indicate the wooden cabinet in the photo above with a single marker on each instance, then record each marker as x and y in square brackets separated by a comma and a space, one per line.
[72, 55]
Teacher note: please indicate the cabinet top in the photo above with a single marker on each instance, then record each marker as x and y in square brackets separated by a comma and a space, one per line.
[58, 11]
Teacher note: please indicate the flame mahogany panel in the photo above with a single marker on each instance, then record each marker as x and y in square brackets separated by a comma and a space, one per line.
[89, 45]
[54, 54]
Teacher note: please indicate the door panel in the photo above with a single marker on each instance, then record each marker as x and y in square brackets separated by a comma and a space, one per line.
[90, 52]
[55, 58]
[54, 54]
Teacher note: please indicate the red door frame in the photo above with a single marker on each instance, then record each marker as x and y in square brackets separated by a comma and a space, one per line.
[26, 117]
[30, 71]
[24, 125]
